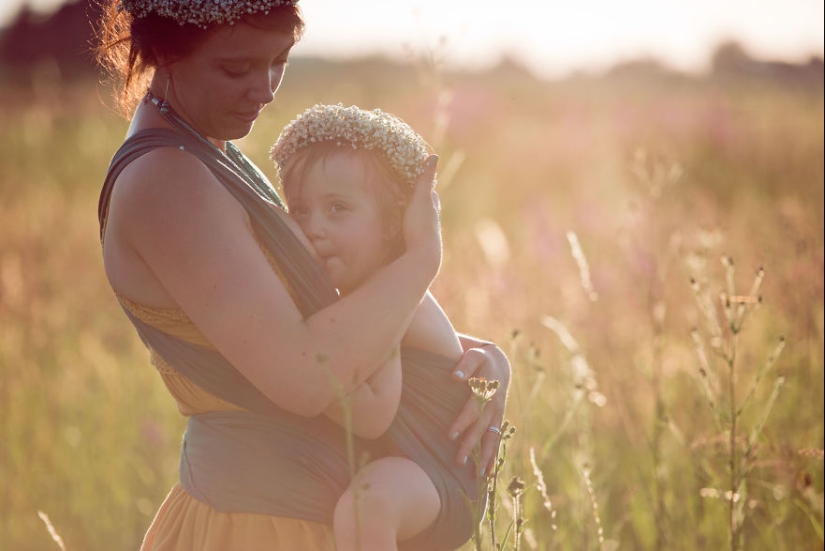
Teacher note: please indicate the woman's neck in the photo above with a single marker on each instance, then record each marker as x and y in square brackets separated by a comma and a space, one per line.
[148, 115]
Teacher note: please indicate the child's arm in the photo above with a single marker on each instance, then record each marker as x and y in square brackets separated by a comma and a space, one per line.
[373, 404]
[431, 330]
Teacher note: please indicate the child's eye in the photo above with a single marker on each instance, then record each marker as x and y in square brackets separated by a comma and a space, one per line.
[298, 211]
[337, 208]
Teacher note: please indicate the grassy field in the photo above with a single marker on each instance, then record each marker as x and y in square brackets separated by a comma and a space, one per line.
[585, 225]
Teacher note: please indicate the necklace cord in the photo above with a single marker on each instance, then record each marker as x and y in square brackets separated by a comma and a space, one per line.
[232, 156]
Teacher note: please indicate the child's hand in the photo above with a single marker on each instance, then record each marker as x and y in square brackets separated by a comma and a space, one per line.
[422, 224]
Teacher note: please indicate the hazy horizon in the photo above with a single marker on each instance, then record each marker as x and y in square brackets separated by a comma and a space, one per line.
[551, 42]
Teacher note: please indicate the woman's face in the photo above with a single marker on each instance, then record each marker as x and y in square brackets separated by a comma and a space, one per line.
[222, 86]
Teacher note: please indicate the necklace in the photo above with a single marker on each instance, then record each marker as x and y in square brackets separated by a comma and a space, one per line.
[232, 157]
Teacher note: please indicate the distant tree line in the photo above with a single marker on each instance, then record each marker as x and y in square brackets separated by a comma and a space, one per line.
[62, 39]
[61, 43]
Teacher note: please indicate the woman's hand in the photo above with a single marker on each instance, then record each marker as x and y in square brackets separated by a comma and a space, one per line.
[487, 361]
[422, 226]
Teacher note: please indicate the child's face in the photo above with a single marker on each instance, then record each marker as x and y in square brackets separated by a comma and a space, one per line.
[341, 216]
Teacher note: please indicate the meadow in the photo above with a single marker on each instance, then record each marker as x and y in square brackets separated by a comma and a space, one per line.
[648, 250]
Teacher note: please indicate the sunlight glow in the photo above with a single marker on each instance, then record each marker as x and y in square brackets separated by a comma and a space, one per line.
[556, 38]
[552, 39]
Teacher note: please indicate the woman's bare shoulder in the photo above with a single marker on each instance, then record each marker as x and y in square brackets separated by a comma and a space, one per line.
[166, 172]
[165, 205]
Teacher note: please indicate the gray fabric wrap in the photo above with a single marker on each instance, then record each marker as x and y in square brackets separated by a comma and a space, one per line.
[269, 461]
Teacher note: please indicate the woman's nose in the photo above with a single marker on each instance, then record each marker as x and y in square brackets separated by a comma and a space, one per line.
[263, 90]
[268, 83]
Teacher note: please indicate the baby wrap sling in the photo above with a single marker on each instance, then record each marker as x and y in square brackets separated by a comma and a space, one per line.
[267, 460]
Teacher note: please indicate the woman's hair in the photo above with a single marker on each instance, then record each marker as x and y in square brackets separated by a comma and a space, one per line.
[131, 48]
[392, 193]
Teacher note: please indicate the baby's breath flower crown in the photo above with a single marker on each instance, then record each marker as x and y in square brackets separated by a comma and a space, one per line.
[202, 13]
[355, 127]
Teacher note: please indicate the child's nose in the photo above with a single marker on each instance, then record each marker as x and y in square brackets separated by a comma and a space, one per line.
[314, 226]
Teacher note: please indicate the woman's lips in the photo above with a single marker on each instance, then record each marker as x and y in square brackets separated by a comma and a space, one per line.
[248, 117]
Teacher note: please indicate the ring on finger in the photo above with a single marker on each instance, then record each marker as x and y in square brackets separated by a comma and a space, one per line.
[495, 430]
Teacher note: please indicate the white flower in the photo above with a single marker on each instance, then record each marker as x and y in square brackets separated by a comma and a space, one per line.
[401, 145]
[198, 12]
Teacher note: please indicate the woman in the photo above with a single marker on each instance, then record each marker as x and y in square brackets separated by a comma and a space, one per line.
[247, 333]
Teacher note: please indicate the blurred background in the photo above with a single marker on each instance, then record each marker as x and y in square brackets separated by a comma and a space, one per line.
[552, 41]
[632, 208]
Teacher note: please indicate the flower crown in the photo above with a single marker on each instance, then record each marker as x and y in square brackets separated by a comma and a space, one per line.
[400, 144]
[202, 13]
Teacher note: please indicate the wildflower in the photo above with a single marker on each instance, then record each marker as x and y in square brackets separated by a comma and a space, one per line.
[516, 487]
[482, 388]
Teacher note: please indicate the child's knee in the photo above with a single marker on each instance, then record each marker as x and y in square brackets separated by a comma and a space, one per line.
[363, 516]
[345, 509]
[368, 503]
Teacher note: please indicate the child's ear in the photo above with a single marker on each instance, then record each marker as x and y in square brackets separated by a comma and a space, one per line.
[393, 221]
[395, 239]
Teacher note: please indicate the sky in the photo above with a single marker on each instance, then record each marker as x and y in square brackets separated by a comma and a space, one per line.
[553, 38]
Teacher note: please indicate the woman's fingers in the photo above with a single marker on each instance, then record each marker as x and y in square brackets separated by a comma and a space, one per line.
[472, 431]
[469, 364]
[477, 441]
[489, 451]
[422, 228]
[428, 176]
[466, 419]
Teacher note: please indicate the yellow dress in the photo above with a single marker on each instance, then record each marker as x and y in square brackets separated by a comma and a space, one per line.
[185, 524]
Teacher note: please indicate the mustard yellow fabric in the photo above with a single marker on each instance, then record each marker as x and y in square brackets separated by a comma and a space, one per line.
[185, 524]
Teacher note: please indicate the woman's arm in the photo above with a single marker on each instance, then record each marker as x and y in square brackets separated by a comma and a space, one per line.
[368, 411]
[198, 243]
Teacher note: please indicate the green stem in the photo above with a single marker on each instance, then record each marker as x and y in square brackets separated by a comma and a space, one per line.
[734, 475]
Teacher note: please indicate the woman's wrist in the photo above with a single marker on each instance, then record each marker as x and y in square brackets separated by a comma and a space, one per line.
[421, 263]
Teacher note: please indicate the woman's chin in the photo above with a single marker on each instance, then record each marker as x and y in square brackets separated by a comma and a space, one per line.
[235, 131]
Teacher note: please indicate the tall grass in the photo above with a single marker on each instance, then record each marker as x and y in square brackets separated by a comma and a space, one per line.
[575, 215]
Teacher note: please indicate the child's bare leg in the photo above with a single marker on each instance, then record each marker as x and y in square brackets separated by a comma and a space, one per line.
[390, 499]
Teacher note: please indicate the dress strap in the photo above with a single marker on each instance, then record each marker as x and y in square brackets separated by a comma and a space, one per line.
[136, 146]
[253, 191]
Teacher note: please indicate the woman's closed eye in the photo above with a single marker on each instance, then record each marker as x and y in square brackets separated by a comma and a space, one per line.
[236, 69]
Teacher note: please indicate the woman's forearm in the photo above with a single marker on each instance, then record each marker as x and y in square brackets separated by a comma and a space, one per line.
[369, 410]
[363, 328]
